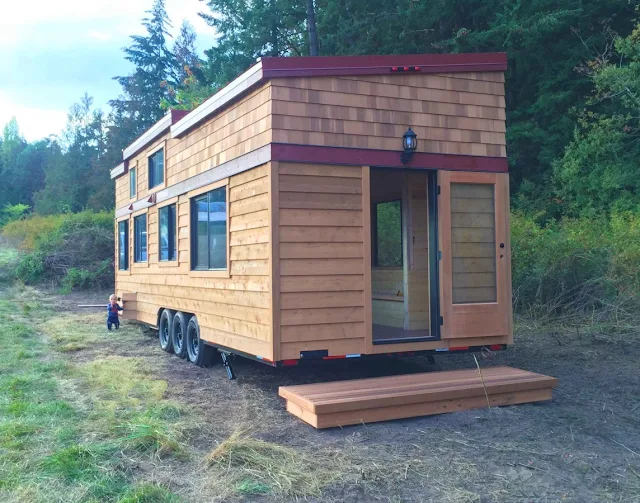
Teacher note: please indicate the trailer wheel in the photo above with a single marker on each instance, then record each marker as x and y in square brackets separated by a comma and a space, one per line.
[179, 334]
[198, 352]
[164, 330]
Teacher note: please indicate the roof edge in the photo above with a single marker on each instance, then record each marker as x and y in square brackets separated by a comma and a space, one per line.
[231, 91]
[119, 170]
[171, 117]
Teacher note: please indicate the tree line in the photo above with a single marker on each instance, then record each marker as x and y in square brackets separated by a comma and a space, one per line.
[572, 91]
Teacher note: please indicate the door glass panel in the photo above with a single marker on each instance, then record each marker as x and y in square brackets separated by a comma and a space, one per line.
[473, 243]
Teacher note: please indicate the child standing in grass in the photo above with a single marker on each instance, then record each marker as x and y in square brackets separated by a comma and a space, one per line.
[112, 309]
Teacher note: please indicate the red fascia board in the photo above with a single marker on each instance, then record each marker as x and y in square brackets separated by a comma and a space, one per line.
[313, 154]
[372, 65]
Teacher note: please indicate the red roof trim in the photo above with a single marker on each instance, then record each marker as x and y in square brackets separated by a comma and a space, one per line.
[372, 65]
[384, 158]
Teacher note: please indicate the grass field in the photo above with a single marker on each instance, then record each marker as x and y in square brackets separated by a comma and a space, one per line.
[88, 415]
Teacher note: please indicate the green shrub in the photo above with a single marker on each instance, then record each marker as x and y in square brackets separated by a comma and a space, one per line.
[12, 212]
[74, 250]
[576, 265]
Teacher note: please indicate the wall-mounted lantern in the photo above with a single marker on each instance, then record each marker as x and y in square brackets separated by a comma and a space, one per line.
[409, 145]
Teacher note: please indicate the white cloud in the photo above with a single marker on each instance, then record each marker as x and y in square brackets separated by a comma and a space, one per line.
[34, 123]
[65, 48]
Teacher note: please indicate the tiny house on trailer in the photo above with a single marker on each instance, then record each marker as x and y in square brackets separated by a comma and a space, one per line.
[324, 207]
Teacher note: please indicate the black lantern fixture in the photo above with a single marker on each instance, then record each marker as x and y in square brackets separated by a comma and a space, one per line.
[409, 145]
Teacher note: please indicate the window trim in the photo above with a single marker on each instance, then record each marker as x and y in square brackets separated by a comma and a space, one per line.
[212, 273]
[126, 271]
[150, 153]
[136, 264]
[133, 169]
[175, 262]
[374, 235]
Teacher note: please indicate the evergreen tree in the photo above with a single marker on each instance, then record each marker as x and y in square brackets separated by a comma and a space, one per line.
[250, 29]
[155, 71]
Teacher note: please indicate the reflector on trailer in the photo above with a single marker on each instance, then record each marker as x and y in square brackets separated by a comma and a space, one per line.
[289, 363]
[495, 347]
[459, 348]
[334, 357]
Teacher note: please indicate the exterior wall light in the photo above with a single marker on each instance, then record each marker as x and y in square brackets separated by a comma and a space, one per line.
[409, 145]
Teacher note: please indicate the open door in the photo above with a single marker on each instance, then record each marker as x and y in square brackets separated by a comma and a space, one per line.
[475, 271]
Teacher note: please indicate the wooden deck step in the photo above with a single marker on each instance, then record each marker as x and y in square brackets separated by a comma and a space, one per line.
[342, 403]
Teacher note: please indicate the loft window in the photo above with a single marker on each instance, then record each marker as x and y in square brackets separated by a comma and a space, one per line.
[156, 169]
[167, 231]
[209, 230]
[132, 183]
[140, 238]
[387, 230]
[123, 245]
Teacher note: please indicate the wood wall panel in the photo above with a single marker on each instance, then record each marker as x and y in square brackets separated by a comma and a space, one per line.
[321, 259]
[459, 114]
[234, 311]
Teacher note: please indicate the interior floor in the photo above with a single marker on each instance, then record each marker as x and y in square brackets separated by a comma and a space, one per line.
[383, 334]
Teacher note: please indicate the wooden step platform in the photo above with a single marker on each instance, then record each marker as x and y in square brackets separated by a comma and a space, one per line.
[342, 403]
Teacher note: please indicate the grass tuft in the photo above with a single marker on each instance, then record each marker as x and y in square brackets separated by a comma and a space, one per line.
[149, 493]
[150, 436]
[249, 465]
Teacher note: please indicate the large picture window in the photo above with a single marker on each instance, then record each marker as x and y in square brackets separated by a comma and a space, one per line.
[156, 169]
[123, 245]
[167, 231]
[140, 238]
[209, 230]
[132, 183]
[387, 230]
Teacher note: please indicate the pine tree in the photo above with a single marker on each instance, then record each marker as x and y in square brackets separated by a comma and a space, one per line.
[155, 72]
[250, 29]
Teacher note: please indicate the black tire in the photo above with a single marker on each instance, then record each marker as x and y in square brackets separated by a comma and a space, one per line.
[179, 334]
[164, 330]
[198, 352]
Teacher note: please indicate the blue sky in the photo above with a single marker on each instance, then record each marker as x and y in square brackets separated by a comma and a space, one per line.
[52, 52]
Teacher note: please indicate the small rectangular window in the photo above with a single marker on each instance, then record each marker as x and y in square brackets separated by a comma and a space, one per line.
[156, 169]
[140, 238]
[387, 229]
[167, 231]
[132, 183]
[123, 245]
[209, 230]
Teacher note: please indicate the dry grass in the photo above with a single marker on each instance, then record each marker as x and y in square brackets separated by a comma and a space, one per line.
[243, 464]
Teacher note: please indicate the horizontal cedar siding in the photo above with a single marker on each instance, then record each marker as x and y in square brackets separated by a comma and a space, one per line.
[234, 311]
[321, 259]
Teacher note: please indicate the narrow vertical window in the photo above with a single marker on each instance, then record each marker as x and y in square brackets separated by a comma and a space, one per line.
[156, 169]
[167, 231]
[123, 245]
[209, 230]
[132, 183]
[140, 238]
[387, 230]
